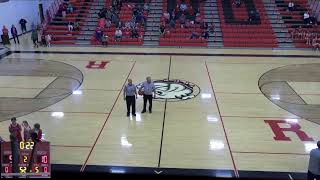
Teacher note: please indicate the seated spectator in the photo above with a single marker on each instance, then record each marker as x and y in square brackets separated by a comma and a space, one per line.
[48, 40]
[183, 6]
[118, 34]
[253, 16]
[211, 28]
[204, 25]
[108, 23]
[182, 19]
[173, 15]
[166, 15]
[146, 7]
[316, 43]
[291, 6]
[104, 40]
[102, 23]
[194, 35]
[172, 24]
[306, 17]
[162, 29]
[205, 34]
[134, 33]
[300, 32]
[198, 18]
[70, 26]
[76, 26]
[191, 11]
[237, 3]
[70, 8]
[308, 37]
[294, 33]
[98, 34]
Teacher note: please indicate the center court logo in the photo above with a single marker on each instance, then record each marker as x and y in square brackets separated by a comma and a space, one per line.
[174, 90]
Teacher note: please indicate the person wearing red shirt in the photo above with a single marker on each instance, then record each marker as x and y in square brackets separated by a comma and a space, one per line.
[14, 33]
[15, 129]
[5, 35]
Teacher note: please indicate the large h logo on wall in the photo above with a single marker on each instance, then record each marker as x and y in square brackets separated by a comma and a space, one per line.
[228, 12]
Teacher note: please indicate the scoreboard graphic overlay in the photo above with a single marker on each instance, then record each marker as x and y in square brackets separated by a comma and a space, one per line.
[33, 159]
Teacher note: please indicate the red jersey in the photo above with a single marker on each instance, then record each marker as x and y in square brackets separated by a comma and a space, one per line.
[16, 130]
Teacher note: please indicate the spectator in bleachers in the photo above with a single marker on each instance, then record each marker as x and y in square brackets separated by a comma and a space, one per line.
[183, 6]
[48, 40]
[182, 20]
[237, 3]
[146, 7]
[294, 33]
[26, 131]
[104, 40]
[316, 43]
[162, 29]
[172, 24]
[194, 35]
[198, 18]
[102, 23]
[76, 26]
[118, 34]
[134, 33]
[205, 34]
[98, 34]
[70, 26]
[211, 28]
[308, 37]
[291, 6]
[204, 25]
[166, 15]
[300, 32]
[108, 23]
[306, 17]
[70, 8]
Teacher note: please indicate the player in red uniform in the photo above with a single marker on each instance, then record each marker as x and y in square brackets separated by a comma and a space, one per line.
[15, 129]
[36, 130]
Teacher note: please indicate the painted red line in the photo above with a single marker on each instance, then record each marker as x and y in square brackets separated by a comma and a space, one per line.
[105, 122]
[260, 117]
[245, 152]
[58, 145]
[224, 129]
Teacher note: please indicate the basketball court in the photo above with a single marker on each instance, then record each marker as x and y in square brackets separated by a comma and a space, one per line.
[221, 112]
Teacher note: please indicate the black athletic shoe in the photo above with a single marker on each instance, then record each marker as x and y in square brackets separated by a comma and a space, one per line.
[133, 114]
[143, 111]
[150, 111]
[128, 114]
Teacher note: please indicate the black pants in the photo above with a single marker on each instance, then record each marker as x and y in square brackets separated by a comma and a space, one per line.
[145, 98]
[131, 101]
[312, 176]
[14, 38]
[23, 28]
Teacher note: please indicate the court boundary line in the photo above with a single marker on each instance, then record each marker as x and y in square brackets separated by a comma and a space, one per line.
[164, 116]
[107, 118]
[256, 152]
[167, 54]
[223, 127]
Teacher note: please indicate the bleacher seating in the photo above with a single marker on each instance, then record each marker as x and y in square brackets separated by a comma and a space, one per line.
[237, 31]
[126, 14]
[58, 27]
[181, 36]
[294, 19]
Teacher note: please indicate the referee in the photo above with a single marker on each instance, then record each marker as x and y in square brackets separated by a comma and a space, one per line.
[148, 93]
[130, 95]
